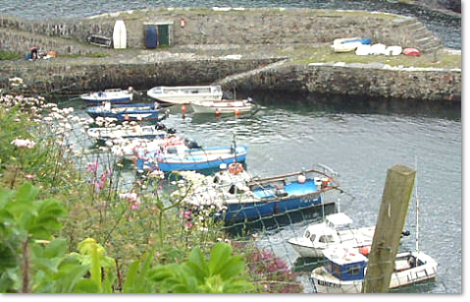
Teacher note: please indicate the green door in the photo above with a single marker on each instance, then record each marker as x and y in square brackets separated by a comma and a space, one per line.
[163, 35]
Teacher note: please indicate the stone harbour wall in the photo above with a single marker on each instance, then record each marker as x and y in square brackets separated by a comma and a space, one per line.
[236, 26]
[357, 80]
[43, 78]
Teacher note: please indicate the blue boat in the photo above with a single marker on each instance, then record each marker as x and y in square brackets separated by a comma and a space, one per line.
[191, 157]
[240, 197]
[125, 112]
[364, 41]
[114, 96]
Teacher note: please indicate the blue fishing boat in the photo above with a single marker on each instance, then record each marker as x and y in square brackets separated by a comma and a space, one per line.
[125, 112]
[190, 156]
[237, 196]
[114, 96]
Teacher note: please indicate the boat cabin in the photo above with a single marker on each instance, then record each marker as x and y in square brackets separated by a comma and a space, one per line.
[185, 90]
[345, 264]
[326, 233]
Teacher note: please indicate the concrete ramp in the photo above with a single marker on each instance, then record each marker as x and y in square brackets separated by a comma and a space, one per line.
[238, 79]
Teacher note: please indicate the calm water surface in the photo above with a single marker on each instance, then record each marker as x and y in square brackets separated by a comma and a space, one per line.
[360, 144]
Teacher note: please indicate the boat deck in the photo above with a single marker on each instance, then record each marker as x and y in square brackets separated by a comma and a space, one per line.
[292, 189]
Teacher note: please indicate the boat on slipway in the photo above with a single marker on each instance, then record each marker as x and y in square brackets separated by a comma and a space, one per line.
[114, 96]
[237, 196]
[185, 94]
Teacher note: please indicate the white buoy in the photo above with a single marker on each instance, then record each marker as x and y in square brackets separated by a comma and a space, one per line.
[120, 35]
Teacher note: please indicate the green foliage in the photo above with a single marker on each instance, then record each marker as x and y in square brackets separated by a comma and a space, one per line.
[223, 273]
[137, 279]
[25, 224]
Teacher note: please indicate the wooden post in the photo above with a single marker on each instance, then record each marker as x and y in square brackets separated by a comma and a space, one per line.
[390, 223]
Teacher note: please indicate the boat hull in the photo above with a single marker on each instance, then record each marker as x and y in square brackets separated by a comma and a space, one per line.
[128, 112]
[305, 251]
[185, 94]
[255, 210]
[218, 108]
[97, 101]
[147, 132]
[112, 96]
[195, 163]
[196, 160]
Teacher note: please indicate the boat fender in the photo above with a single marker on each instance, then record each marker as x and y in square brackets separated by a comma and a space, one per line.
[126, 117]
[235, 168]
[301, 179]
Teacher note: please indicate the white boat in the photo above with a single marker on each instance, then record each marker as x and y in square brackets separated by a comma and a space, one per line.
[114, 96]
[223, 106]
[120, 35]
[333, 231]
[348, 47]
[129, 132]
[345, 270]
[185, 94]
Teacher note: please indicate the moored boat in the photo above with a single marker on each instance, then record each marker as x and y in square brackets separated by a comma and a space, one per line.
[345, 270]
[130, 132]
[114, 96]
[185, 94]
[333, 231]
[223, 106]
[190, 156]
[237, 196]
[125, 112]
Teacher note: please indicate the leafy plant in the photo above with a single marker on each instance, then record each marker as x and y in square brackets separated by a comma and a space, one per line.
[223, 273]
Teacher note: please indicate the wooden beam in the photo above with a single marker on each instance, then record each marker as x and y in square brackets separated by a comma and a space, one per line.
[393, 209]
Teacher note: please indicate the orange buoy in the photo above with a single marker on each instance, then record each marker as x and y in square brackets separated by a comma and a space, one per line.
[217, 112]
[126, 117]
[237, 112]
[183, 109]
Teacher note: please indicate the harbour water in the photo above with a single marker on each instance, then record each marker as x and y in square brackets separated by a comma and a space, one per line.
[360, 143]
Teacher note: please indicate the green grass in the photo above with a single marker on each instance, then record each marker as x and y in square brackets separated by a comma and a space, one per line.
[324, 54]
[5, 56]
[91, 55]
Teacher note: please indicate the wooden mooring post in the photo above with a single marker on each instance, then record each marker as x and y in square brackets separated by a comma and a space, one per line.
[393, 209]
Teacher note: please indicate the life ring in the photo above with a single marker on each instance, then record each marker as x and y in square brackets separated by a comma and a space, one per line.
[235, 168]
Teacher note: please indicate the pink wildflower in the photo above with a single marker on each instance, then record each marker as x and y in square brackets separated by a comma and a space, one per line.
[188, 225]
[97, 185]
[186, 214]
[92, 167]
